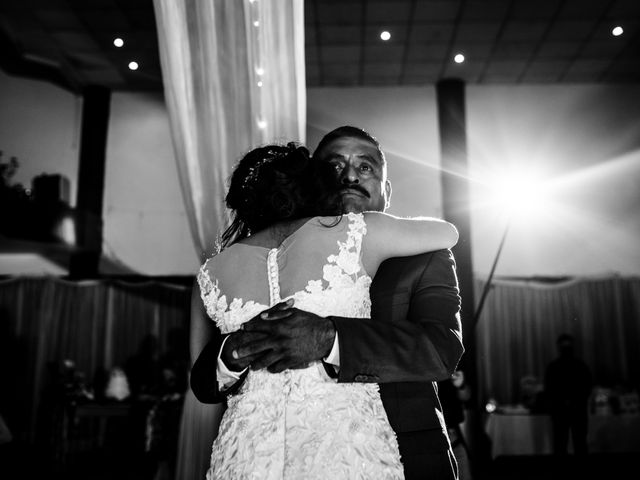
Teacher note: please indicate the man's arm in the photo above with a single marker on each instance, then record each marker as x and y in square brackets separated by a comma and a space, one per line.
[204, 345]
[214, 354]
[423, 344]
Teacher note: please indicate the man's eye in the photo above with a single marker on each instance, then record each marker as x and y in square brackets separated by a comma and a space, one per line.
[337, 166]
[365, 167]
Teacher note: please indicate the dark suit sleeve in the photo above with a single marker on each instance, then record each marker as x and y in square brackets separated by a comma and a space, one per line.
[415, 340]
[204, 380]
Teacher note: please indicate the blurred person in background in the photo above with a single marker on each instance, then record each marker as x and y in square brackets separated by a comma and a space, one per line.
[567, 384]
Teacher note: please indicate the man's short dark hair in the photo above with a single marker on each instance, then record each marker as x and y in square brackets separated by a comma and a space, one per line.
[348, 131]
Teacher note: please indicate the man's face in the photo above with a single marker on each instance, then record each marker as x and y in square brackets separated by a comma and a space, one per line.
[361, 172]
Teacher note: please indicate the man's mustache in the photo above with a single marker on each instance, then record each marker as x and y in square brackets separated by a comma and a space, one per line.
[356, 188]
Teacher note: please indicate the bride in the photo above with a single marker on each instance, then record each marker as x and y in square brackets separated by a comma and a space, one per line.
[289, 241]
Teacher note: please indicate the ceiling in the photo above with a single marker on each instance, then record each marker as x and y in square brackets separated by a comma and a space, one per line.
[70, 42]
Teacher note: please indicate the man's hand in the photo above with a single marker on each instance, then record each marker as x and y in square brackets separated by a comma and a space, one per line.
[243, 347]
[229, 355]
[289, 338]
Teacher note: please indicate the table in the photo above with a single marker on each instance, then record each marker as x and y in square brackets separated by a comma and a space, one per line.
[91, 426]
[528, 434]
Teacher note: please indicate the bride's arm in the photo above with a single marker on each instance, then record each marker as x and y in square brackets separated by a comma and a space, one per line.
[390, 236]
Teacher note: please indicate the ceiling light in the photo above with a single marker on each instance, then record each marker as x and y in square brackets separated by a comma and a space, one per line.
[385, 35]
[133, 65]
[617, 31]
[118, 42]
[459, 58]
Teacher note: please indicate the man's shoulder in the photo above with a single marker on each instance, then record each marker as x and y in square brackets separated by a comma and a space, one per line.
[405, 271]
[423, 259]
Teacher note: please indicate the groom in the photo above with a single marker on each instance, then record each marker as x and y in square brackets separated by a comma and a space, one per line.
[412, 340]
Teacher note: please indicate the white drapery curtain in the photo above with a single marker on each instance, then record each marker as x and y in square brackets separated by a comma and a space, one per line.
[234, 79]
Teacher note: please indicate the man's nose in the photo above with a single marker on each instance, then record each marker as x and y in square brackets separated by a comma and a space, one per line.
[349, 176]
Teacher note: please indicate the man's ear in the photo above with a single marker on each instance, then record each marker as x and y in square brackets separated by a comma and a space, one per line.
[387, 192]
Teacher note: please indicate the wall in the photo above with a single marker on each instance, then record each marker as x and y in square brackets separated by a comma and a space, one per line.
[583, 136]
[146, 228]
[40, 126]
[586, 136]
[584, 142]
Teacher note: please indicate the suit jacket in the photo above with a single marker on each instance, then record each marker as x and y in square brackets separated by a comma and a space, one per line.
[412, 340]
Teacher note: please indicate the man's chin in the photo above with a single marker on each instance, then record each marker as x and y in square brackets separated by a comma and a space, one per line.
[352, 205]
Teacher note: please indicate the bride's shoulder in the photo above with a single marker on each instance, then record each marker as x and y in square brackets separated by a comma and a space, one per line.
[213, 261]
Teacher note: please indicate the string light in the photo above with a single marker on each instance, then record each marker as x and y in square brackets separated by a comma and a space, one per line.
[258, 69]
[118, 42]
[385, 35]
[133, 65]
[459, 58]
[617, 31]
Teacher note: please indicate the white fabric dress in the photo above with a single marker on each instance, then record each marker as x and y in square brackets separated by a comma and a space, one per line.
[298, 424]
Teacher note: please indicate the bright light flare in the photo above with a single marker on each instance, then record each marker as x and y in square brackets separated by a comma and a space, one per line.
[520, 191]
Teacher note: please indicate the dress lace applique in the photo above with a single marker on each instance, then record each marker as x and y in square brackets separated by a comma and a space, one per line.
[228, 318]
[343, 276]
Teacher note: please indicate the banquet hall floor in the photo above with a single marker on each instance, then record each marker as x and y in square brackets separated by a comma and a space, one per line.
[538, 467]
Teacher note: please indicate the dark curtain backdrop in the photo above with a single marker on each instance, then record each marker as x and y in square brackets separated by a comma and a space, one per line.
[99, 324]
[96, 324]
[520, 321]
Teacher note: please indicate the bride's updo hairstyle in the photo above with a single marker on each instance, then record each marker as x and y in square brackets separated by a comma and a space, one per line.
[275, 183]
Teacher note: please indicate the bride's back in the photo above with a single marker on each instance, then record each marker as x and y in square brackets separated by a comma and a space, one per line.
[317, 264]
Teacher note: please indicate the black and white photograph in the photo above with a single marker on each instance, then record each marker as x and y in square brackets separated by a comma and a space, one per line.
[319, 239]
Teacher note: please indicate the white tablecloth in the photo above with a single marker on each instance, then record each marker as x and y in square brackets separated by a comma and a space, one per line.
[525, 434]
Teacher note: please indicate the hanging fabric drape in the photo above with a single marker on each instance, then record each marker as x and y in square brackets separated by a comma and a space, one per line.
[521, 320]
[234, 78]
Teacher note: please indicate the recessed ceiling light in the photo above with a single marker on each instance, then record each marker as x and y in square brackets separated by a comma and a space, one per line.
[459, 58]
[133, 65]
[617, 31]
[118, 42]
[385, 35]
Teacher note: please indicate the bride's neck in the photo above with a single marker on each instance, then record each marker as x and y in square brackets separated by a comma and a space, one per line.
[273, 235]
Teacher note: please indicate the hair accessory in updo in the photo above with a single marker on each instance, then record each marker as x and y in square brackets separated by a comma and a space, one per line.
[254, 171]
[275, 183]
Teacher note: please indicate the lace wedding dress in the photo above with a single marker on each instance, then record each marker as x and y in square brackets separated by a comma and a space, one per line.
[298, 424]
